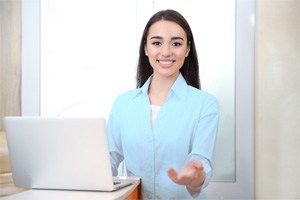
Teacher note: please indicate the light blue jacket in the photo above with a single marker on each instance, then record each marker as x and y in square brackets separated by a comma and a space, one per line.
[185, 129]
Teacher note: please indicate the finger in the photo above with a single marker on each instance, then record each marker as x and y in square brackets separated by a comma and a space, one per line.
[196, 165]
[173, 174]
[178, 177]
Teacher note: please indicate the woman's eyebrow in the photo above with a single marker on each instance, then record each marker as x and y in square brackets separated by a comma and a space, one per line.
[172, 38]
[156, 37]
[177, 38]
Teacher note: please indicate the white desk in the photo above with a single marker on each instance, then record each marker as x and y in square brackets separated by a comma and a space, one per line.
[34, 194]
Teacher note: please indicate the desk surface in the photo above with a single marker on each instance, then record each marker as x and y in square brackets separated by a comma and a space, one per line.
[34, 194]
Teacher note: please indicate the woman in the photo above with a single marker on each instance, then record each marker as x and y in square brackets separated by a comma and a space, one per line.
[165, 130]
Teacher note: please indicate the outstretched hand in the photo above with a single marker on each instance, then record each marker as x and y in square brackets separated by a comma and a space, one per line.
[192, 175]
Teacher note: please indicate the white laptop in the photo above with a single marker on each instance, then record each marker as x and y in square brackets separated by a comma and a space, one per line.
[69, 153]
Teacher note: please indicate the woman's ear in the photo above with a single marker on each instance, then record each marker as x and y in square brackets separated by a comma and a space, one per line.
[188, 49]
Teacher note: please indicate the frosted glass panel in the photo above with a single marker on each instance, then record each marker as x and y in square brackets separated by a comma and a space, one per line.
[89, 55]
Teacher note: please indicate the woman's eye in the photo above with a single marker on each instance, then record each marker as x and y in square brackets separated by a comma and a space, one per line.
[177, 44]
[156, 43]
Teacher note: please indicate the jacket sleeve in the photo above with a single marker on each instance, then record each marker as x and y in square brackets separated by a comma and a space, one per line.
[204, 140]
[114, 139]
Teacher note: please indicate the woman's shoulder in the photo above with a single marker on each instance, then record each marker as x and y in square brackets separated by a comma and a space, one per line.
[122, 101]
[205, 99]
[201, 94]
[126, 97]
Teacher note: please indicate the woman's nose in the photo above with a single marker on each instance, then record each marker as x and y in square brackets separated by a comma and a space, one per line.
[166, 50]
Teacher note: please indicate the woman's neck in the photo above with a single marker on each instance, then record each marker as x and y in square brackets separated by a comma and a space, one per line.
[159, 89]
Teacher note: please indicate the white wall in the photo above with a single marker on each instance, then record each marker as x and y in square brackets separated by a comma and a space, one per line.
[277, 99]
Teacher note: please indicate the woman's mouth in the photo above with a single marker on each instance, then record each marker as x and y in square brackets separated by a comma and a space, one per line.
[166, 63]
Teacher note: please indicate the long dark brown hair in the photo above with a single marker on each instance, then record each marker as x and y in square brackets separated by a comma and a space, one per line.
[190, 68]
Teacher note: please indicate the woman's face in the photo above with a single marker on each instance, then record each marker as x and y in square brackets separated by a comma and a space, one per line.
[166, 48]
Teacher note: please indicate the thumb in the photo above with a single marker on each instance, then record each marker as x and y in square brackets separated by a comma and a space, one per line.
[172, 172]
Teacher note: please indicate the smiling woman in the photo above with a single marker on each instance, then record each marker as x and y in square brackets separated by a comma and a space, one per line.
[186, 115]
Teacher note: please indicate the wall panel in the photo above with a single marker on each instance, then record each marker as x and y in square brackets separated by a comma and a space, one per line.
[277, 110]
[10, 58]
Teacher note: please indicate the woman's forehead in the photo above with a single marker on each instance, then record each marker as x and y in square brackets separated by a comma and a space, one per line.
[166, 29]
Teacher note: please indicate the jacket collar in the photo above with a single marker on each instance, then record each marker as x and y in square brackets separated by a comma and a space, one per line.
[179, 88]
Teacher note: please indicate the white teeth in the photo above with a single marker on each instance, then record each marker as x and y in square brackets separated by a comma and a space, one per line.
[166, 62]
